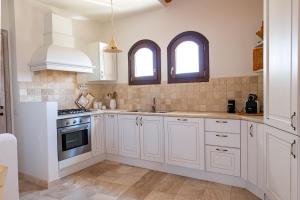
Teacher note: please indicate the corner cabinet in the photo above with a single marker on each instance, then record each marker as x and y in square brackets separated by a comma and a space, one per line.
[111, 134]
[184, 142]
[105, 63]
[281, 164]
[281, 61]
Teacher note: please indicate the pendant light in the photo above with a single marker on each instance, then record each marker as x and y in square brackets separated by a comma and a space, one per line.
[112, 47]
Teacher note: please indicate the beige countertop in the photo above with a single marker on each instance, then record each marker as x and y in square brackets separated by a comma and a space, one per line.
[219, 115]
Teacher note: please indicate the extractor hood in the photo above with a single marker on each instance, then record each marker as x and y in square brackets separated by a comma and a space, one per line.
[58, 52]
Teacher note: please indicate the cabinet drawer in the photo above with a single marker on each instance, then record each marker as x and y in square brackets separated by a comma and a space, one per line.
[223, 125]
[222, 139]
[223, 160]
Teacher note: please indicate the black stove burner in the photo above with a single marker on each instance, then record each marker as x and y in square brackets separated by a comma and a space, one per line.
[71, 111]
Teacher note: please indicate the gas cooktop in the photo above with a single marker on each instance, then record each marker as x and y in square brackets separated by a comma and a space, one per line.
[71, 111]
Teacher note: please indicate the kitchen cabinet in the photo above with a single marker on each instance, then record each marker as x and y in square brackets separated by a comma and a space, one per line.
[111, 133]
[281, 164]
[281, 61]
[252, 153]
[223, 160]
[98, 136]
[152, 138]
[105, 63]
[184, 142]
[129, 135]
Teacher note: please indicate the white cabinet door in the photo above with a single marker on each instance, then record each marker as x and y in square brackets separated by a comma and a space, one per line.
[152, 141]
[105, 63]
[252, 153]
[184, 142]
[98, 143]
[129, 135]
[223, 160]
[111, 133]
[281, 164]
[281, 63]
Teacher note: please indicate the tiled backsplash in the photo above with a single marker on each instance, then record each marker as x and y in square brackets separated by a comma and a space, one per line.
[211, 96]
[51, 86]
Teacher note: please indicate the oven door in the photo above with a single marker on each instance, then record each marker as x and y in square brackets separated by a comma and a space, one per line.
[73, 141]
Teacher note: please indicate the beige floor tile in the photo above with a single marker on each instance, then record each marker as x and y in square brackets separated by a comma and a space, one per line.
[111, 189]
[214, 194]
[155, 195]
[112, 181]
[135, 194]
[241, 194]
[171, 184]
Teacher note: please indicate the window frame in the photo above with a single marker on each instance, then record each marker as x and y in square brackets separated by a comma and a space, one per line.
[145, 80]
[201, 41]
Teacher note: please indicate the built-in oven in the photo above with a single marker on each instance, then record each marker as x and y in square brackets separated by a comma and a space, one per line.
[73, 137]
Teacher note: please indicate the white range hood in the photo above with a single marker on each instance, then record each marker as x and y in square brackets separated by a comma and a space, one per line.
[58, 52]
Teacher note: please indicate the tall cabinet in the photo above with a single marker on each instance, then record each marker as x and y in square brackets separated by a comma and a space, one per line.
[281, 61]
[281, 99]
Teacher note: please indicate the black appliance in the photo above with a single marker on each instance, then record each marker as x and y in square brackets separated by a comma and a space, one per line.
[231, 106]
[252, 104]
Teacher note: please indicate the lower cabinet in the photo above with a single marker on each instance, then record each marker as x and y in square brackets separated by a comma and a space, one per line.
[184, 142]
[281, 164]
[252, 153]
[129, 135]
[223, 160]
[111, 133]
[98, 135]
[151, 137]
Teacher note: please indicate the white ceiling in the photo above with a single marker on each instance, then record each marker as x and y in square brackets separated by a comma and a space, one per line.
[100, 9]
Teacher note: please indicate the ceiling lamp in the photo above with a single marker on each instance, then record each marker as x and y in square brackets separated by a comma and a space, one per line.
[112, 47]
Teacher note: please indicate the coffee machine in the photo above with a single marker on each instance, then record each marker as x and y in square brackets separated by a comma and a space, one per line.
[252, 104]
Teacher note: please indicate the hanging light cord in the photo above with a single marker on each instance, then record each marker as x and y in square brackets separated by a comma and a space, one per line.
[112, 19]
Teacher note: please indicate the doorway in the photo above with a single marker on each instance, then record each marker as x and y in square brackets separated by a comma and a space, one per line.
[5, 100]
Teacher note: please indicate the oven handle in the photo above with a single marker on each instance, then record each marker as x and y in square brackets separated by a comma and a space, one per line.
[72, 128]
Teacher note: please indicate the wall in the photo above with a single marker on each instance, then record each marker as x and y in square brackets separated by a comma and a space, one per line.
[230, 27]
[211, 96]
[45, 85]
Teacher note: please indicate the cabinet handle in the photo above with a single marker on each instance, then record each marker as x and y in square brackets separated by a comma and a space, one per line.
[251, 129]
[184, 120]
[224, 136]
[222, 122]
[141, 121]
[222, 150]
[292, 149]
[136, 121]
[292, 121]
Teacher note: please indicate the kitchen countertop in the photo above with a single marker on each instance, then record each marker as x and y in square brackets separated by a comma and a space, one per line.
[219, 115]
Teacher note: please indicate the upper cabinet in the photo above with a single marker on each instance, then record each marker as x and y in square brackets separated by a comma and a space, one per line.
[281, 61]
[106, 63]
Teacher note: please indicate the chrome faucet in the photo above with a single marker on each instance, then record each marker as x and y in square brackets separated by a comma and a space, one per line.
[154, 105]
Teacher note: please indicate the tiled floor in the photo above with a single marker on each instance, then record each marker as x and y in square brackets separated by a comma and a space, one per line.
[113, 181]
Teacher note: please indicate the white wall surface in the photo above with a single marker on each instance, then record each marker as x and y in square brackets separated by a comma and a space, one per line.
[29, 23]
[230, 27]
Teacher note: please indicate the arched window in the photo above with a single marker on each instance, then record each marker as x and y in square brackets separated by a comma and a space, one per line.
[188, 58]
[144, 63]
